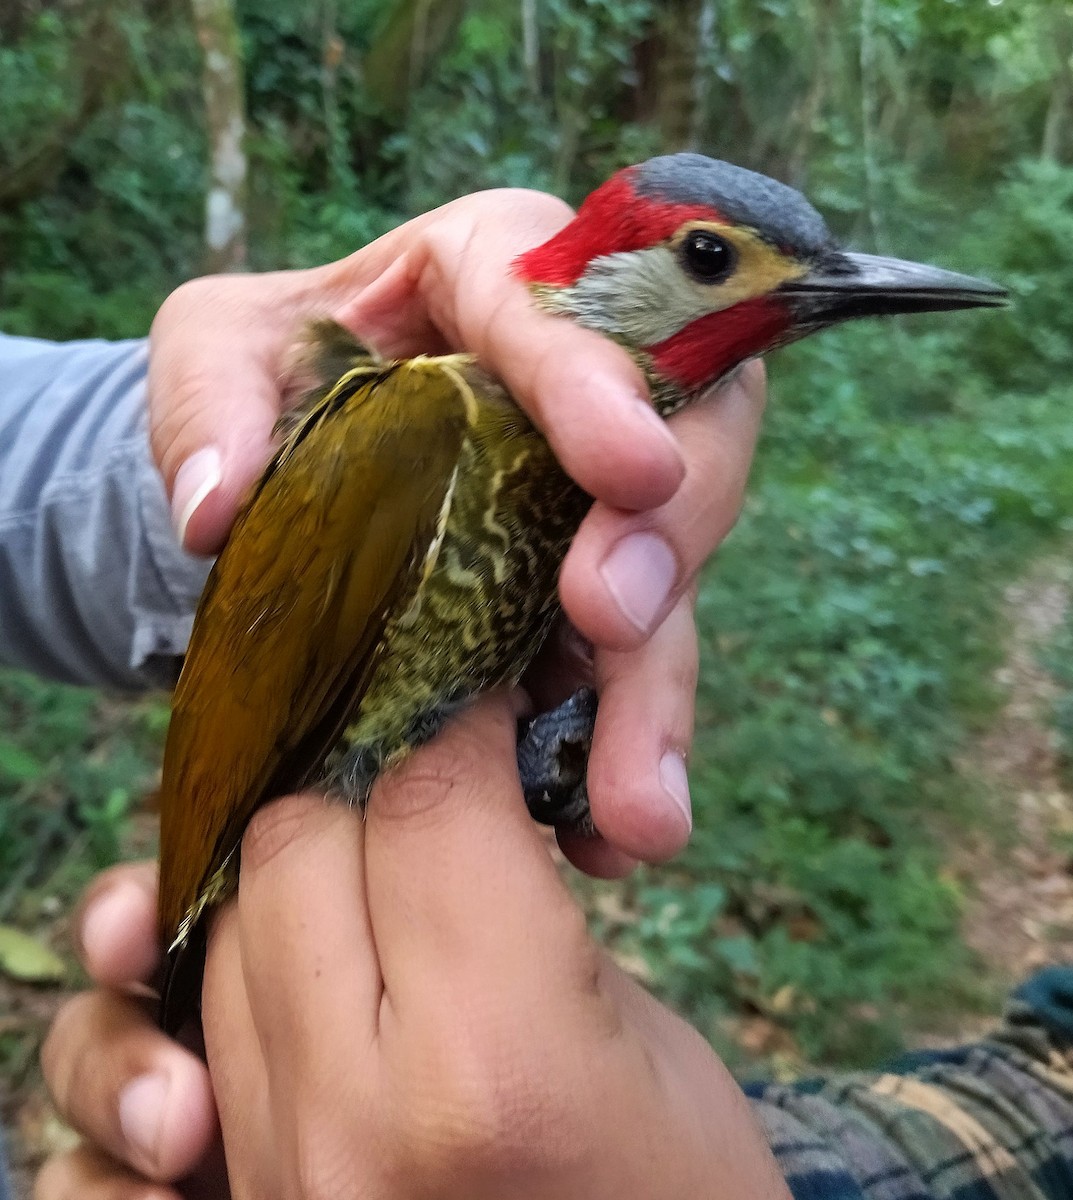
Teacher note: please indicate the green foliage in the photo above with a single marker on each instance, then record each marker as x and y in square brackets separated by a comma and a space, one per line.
[1024, 237]
[482, 119]
[95, 251]
[848, 631]
[34, 70]
[72, 768]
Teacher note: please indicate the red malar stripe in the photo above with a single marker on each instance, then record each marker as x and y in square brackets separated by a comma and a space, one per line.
[707, 348]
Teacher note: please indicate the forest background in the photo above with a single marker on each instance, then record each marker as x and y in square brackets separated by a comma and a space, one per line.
[856, 628]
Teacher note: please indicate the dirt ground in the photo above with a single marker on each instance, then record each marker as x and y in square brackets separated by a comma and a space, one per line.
[1020, 875]
[1021, 915]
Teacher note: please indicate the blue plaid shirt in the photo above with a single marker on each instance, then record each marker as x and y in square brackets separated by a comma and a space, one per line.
[992, 1120]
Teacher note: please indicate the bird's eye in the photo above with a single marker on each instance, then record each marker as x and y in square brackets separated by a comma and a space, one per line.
[707, 257]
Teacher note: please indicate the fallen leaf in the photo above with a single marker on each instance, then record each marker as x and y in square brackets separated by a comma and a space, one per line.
[24, 958]
[783, 1001]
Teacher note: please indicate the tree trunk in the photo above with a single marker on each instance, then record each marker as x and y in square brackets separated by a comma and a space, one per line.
[1055, 142]
[808, 111]
[415, 33]
[225, 115]
[531, 46]
[702, 72]
[101, 60]
[340, 175]
[872, 183]
[680, 92]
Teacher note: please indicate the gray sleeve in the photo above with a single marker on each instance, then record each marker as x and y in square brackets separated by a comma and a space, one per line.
[93, 585]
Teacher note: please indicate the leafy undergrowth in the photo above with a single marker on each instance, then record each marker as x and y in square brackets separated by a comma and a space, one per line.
[72, 766]
[1059, 662]
[849, 631]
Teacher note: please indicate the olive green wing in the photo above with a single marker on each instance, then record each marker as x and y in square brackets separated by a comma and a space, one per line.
[333, 539]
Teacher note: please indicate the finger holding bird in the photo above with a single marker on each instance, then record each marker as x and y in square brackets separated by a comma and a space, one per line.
[455, 285]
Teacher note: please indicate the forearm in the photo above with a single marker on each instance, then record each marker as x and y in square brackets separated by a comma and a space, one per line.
[993, 1119]
[93, 586]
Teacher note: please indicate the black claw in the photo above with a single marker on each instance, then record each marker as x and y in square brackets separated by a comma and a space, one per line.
[553, 756]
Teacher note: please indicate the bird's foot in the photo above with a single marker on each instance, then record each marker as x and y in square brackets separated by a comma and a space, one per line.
[553, 756]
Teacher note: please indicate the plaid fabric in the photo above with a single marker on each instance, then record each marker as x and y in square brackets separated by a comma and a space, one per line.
[988, 1121]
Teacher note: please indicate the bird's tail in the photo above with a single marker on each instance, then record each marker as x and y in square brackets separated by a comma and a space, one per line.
[180, 990]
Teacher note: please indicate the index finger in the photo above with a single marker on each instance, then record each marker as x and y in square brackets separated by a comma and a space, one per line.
[461, 887]
[584, 392]
[307, 951]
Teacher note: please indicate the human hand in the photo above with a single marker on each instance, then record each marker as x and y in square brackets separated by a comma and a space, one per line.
[143, 1102]
[410, 1006]
[666, 494]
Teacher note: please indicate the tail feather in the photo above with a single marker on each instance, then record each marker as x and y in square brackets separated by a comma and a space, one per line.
[326, 353]
[184, 967]
[331, 350]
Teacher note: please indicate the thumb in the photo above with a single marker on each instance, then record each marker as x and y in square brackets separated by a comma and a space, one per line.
[216, 359]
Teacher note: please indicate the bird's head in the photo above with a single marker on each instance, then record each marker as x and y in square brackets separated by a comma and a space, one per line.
[696, 265]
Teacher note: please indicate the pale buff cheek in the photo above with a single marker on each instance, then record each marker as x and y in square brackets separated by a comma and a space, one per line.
[641, 296]
[644, 297]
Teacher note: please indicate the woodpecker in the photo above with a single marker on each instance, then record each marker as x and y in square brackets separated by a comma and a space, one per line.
[400, 553]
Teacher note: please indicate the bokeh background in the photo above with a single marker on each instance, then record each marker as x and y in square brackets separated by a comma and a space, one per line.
[884, 813]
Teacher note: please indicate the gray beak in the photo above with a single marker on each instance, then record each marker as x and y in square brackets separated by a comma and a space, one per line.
[844, 286]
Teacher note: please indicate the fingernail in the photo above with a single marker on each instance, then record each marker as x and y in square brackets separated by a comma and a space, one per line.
[194, 480]
[574, 646]
[675, 780]
[142, 1105]
[640, 573]
[655, 421]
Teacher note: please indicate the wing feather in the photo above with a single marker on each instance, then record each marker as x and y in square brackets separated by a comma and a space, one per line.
[331, 541]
